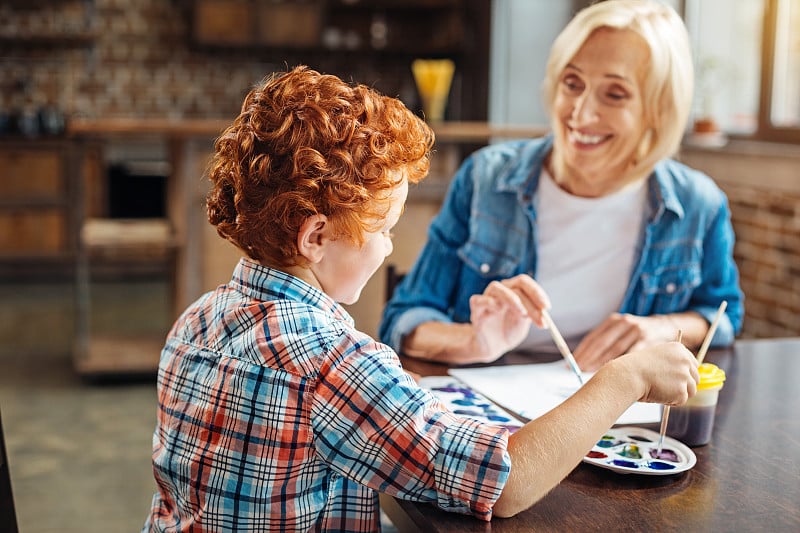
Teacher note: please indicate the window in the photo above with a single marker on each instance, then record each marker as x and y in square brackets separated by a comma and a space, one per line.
[747, 61]
[780, 87]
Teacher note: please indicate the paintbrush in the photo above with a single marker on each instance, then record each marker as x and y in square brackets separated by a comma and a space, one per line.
[665, 416]
[561, 344]
[701, 353]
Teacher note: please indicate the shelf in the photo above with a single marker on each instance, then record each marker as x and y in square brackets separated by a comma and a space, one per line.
[412, 28]
[33, 40]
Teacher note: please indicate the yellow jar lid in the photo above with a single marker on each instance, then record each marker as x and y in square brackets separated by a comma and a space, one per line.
[711, 376]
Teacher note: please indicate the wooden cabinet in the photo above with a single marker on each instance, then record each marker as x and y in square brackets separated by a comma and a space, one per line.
[37, 216]
[371, 41]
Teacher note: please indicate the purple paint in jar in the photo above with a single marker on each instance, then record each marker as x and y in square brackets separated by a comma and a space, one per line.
[693, 422]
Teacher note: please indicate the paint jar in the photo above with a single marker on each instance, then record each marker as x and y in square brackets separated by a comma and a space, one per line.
[692, 422]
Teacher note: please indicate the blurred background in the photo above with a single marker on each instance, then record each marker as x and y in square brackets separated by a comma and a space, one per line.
[108, 113]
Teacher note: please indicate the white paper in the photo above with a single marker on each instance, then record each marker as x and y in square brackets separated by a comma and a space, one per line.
[533, 390]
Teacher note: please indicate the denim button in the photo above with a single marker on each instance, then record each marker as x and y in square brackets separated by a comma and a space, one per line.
[670, 288]
[484, 268]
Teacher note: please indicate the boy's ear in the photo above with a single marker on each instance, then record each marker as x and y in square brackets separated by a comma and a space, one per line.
[311, 238]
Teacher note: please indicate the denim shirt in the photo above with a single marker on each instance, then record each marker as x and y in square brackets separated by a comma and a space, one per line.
[487, 230]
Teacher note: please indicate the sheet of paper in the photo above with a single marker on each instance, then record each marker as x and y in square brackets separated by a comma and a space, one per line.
[532, 390]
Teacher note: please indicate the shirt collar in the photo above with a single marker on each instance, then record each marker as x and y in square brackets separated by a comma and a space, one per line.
[521, 174]
[268, 284]
[663, 196]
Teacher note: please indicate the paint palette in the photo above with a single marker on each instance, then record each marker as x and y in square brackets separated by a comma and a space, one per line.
[633, 450]
[465, 401]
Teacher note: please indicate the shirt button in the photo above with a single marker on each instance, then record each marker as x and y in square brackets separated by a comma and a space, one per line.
[670, 288]
[484, 268]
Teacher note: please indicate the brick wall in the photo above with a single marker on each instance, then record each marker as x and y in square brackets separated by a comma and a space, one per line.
[767, 225]
[763, 187]
[142, 62]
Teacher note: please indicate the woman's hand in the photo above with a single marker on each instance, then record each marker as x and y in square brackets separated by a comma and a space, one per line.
[622, 333]
[501, 316]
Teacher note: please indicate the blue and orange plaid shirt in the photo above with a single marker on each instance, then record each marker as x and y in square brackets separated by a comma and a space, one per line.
[276, 414]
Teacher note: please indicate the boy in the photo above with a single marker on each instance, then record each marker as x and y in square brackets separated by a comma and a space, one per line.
[275, 413]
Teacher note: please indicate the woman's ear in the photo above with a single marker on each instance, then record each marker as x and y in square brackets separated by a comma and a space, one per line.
[311, 238]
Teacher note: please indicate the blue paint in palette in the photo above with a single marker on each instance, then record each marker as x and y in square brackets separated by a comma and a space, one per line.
[608, 442]
[659, 465]
[627, 451]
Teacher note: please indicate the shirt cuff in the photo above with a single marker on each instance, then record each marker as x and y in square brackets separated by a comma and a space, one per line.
[408, 322]
[724, 336]
[470, 483]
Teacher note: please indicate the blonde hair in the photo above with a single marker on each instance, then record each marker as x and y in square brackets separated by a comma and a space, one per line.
[667, 86]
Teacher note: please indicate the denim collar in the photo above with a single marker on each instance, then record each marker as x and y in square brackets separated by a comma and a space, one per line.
[521, 175]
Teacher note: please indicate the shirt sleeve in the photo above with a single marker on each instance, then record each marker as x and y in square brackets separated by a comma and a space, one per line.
[720, 278]
[373, 424]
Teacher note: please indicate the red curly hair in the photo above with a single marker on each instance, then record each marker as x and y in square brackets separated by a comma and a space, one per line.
[306, 143]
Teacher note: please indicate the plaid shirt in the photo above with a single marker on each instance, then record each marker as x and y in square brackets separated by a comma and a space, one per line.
[275, 413]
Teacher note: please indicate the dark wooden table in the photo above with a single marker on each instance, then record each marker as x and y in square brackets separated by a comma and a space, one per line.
[746, 479]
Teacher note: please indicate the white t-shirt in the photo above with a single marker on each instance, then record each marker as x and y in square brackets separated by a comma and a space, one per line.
[586, 251]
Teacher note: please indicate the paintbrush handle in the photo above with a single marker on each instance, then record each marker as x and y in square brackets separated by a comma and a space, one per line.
[562, 344]
[701, 353]
[665, 412]
[663, 430]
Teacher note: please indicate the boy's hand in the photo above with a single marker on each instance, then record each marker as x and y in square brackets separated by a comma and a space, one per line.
[667, 373]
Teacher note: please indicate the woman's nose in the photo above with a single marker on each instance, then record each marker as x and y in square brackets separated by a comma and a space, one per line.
[585, 109]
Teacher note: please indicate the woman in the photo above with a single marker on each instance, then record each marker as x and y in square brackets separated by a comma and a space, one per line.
[629, 245]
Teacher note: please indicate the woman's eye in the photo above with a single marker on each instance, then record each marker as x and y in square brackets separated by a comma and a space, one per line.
[617, 96]
[572, 84]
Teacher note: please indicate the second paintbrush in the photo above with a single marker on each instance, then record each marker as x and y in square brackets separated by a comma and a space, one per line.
[561, 344]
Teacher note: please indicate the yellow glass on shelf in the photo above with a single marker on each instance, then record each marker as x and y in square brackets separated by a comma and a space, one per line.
[433, 78]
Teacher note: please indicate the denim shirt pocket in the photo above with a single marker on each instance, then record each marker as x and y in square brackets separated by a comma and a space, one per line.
[487, 263]
[482, 265]
[668, 289]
